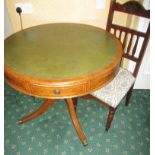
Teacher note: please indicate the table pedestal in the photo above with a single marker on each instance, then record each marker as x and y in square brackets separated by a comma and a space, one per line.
[71, 104]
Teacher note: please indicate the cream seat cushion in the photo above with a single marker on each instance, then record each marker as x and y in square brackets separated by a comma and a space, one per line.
[114, 92]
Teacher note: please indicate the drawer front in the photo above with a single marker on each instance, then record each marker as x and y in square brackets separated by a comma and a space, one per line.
[57, 92]
[63, 89]
[16, 83]
[104, 79]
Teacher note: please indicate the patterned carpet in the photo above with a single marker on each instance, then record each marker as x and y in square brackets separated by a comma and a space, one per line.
[54, 134]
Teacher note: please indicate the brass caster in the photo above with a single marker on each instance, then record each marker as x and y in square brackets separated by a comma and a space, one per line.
[19, 122]
[84, 142]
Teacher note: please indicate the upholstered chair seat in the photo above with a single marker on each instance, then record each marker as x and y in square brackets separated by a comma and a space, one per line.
[113, 92]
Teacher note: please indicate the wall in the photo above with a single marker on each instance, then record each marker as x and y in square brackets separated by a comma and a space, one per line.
[48, 11]
[143, 79]
[7, 24]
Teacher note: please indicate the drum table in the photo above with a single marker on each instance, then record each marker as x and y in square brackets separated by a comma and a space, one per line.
[61, 61]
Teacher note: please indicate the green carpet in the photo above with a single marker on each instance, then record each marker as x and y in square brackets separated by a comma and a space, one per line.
[53, 133]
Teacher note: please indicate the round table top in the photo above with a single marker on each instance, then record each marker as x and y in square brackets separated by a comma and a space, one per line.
[61, 60]
[59, 51]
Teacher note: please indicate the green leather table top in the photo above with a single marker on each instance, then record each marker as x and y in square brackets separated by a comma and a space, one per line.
[59, 51]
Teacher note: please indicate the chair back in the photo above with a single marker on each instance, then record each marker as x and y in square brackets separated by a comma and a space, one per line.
[129, 37]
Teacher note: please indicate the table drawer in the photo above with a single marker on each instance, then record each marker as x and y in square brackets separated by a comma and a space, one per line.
[56, 92]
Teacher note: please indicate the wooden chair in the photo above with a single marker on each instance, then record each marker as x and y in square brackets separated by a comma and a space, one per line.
[111, 94]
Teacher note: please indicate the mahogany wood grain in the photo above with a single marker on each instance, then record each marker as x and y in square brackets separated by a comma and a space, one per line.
[135, 46]
[75, 100]
[129, 44]
[110, 117]
[128, 96]
[75, 121]
[133, 8]
[43, 108]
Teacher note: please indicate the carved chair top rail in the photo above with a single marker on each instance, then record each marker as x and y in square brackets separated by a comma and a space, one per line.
[132, 7]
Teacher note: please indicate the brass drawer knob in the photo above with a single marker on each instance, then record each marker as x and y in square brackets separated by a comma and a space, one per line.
[57, 91]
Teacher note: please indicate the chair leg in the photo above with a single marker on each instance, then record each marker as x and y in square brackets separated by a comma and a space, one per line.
[110, 117]
[15, 96]
[75, 102]
[34, 99]
[128, 96]
[16, 99]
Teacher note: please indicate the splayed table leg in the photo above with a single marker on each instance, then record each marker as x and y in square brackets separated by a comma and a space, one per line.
[75, 121]
[43, 108]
